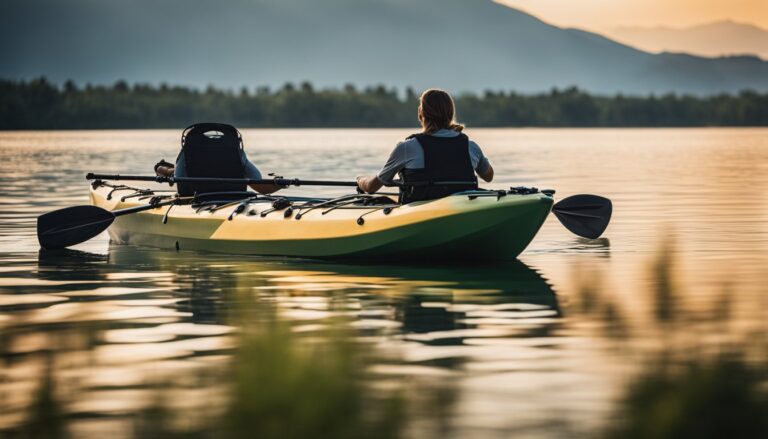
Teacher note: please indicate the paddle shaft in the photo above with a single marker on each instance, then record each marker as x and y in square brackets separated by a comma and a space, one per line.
[283, 182]
[171, 180]
[142, 208]
[115, 213]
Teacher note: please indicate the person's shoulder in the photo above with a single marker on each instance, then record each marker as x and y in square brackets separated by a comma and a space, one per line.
[474, 147]
[471, 142]
[408, 142]
[412, 138]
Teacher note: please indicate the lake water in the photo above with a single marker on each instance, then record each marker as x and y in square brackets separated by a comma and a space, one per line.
[594, 337]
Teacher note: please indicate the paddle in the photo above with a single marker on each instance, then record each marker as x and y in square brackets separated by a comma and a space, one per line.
[73, 225]
[584, 215]
[278, 181]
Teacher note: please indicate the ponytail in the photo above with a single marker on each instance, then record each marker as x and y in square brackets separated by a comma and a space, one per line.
[437, 111]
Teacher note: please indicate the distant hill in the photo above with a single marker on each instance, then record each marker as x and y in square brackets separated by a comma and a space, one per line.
[712, 39]
[460, 45]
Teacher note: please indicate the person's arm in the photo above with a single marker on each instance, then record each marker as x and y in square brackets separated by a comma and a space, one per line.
[486, 174]
[369, 184]
[395, 162]
[253, 173]
[265, 189]
[483, 167]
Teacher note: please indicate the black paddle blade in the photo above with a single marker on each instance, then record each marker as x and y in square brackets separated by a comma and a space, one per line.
[73, 225]
[584, 215]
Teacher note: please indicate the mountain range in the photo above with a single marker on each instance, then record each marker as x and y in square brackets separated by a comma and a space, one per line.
[460, 45]
[711, 39]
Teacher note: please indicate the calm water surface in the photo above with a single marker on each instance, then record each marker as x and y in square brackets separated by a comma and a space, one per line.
[93, 340]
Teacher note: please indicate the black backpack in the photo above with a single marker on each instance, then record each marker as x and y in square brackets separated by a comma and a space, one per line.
[212, 150]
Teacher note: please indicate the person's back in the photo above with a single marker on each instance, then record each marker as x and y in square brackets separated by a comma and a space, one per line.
[437, 162]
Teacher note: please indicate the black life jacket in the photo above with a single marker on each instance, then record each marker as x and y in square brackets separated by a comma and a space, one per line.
[212, 150]
[447, 169]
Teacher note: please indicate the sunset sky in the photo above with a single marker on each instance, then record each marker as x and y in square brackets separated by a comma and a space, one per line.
[606, 14]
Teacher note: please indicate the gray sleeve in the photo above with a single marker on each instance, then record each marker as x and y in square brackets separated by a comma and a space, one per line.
[180, 169]
[251, 171]
[479, 160]
[394, 164]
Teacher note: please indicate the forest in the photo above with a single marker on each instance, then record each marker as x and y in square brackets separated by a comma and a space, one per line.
[41, 104]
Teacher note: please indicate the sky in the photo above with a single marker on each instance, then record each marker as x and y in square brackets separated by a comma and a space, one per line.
[601, 15]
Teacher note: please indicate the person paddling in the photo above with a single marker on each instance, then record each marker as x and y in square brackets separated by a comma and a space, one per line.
[212, 150]
[439, 161]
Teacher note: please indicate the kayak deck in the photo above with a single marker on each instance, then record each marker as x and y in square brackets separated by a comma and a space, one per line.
[483, 225]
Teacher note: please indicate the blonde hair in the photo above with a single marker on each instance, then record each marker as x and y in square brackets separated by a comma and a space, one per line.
[437, 111]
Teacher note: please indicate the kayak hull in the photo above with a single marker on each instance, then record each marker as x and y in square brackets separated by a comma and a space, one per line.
[452, 228]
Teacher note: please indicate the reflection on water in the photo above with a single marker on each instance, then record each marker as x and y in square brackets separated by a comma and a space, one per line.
[163, 343]
[656, 330]
[115, 327]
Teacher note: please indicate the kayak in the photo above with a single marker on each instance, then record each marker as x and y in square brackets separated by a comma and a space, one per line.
[472, 225]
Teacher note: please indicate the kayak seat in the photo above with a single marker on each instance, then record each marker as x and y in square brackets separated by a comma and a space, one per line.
[212, 150]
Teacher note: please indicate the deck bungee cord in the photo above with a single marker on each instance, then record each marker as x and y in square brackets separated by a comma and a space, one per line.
[301, 204]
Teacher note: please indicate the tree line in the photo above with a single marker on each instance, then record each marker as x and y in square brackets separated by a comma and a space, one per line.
[40, 104]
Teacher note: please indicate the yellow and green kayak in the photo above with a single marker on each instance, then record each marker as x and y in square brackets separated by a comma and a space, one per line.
[477, 225]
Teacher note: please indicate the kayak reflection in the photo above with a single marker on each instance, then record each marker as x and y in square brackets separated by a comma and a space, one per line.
[418, 300]
[421, 299]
